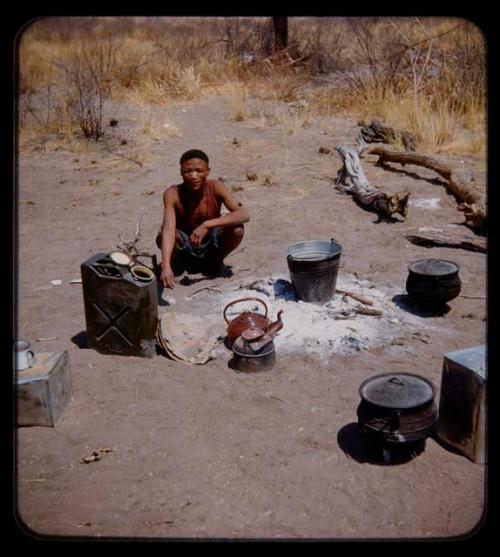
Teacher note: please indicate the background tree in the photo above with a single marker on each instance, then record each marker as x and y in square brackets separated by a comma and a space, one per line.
[280, 25]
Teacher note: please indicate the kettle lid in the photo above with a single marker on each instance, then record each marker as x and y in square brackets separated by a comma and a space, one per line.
[253, 342]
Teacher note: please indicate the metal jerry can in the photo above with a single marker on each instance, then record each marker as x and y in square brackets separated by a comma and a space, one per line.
[121, 307]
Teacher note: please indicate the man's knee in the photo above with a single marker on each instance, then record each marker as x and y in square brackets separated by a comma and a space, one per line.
[234, 232]
[239, 231]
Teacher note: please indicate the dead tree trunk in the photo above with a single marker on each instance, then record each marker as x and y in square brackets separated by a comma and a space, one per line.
[473, 203]
[351, 179]
[280, 25]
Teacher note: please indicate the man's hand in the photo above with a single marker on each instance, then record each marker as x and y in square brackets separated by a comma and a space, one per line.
[167, 276]
[197, 235]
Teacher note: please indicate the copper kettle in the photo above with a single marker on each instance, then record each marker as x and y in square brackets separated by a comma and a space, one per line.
[249, 319]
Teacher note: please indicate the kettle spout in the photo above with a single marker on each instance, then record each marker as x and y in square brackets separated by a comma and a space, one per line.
[273, 328]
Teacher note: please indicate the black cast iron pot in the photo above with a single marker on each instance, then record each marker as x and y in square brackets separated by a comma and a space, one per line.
[397, 408]
[433, 281]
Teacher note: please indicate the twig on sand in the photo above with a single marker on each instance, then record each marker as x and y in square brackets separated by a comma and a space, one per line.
[124, 157]
[255, 285]
[367, 311]
[96, 455]
[355, 296]
[277, 398]
[472, 297]
[214, 288]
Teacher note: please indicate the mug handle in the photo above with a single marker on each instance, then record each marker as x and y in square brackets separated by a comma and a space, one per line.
[31, 357]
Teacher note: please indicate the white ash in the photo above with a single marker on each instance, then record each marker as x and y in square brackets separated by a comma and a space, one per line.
[320, 330]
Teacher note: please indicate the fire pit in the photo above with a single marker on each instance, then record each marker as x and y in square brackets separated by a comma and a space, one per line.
[397, 409]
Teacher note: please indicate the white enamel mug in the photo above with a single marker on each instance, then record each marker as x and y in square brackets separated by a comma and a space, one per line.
[23, 356]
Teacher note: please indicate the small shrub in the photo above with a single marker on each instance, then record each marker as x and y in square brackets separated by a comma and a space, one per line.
[89, 79]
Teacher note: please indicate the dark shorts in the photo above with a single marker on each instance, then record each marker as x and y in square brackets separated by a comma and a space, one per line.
[205, 254]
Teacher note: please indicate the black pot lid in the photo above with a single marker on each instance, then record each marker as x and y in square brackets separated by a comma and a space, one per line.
[397, 390]
[433, 267]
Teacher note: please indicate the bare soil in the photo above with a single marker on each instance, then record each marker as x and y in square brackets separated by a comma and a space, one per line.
[203, 451]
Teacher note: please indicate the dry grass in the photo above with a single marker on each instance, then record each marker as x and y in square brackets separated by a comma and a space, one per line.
[426, 75]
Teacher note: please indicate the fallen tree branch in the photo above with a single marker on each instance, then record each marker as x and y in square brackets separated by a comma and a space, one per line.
[378, 132]
[473, 203]
[351, 179]
[447, 241]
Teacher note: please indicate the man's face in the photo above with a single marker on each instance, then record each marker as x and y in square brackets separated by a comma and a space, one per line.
[194, 173]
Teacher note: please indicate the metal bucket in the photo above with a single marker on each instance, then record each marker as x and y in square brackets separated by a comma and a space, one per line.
[313, 267]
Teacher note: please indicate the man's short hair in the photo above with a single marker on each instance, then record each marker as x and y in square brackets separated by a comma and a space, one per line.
[194, 154]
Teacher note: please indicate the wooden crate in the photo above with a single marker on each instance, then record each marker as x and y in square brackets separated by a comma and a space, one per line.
[44, 390]
[462, 406]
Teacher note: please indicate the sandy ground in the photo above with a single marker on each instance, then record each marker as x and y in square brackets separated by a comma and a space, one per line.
[203, 451]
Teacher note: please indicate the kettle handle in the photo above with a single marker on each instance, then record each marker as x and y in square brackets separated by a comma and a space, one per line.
[242, 300]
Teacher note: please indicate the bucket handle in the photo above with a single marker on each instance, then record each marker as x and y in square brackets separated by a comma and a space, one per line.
[243, 300]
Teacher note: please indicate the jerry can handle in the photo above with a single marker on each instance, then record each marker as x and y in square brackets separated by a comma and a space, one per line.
[113, 266]
[243, 300]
